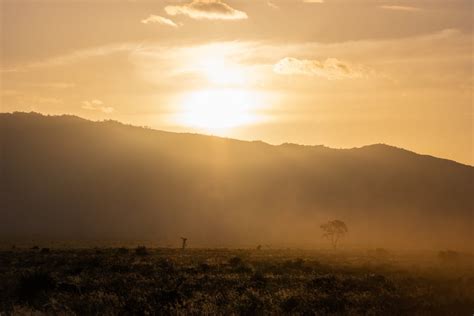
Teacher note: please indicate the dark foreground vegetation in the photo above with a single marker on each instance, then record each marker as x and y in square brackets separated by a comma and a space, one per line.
[220, 281]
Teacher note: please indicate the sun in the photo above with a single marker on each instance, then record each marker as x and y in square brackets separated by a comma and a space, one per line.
[225, 97]
[219, 109]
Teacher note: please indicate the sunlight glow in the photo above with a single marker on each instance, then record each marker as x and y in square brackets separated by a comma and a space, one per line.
[226, 95]
[218, 109]
[220, 72]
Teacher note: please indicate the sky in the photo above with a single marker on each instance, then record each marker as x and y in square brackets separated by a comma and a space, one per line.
[338, 73]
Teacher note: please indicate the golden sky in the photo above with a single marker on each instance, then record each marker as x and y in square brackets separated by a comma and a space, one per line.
[333, 72]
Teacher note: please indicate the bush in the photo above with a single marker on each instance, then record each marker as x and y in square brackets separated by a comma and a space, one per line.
[122, 251]
[235, 261]
[381, 252]
[258, 280]
[449, 256]
[141, 251]
[290, 304]
[31, 286]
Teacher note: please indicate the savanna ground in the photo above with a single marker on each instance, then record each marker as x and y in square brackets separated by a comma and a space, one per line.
[110, 281]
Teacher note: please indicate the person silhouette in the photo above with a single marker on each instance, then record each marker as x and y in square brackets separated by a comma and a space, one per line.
[183, 245]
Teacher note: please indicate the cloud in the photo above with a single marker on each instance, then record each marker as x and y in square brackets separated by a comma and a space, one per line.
[207, 9]
[400, 8]
[73, 57]
[97, 105]
[272, 5]
[160, 20]
[386, 60]
[331, 68]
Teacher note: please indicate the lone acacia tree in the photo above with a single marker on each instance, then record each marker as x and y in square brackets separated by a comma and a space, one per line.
[334, 230]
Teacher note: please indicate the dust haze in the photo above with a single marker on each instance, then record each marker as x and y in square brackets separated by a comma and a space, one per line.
[67, 178]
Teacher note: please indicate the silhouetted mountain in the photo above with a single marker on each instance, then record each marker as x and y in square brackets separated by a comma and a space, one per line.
[66, 177]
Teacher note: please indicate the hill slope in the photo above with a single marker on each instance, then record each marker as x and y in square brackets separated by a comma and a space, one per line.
[67, 177]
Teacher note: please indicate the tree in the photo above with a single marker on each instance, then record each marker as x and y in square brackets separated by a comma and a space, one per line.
[334, 230]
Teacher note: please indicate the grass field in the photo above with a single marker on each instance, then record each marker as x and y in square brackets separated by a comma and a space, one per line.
[106, 281]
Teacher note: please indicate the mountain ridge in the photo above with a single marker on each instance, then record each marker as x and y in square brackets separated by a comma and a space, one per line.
[68, 177]
[285, 144]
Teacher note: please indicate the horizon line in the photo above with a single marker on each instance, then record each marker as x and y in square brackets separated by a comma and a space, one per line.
[231, 138]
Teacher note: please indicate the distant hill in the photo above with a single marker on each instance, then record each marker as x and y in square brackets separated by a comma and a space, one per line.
[66, 177]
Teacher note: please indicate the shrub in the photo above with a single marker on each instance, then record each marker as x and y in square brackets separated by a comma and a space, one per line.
[31, 286]
[258, 280]
[448, 255]
[381, 252]
[141, 251]
[289, 304]
[235, 261]
[204, 267]
[122, 251]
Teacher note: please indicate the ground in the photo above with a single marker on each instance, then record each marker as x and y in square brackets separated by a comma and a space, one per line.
[110, 281]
